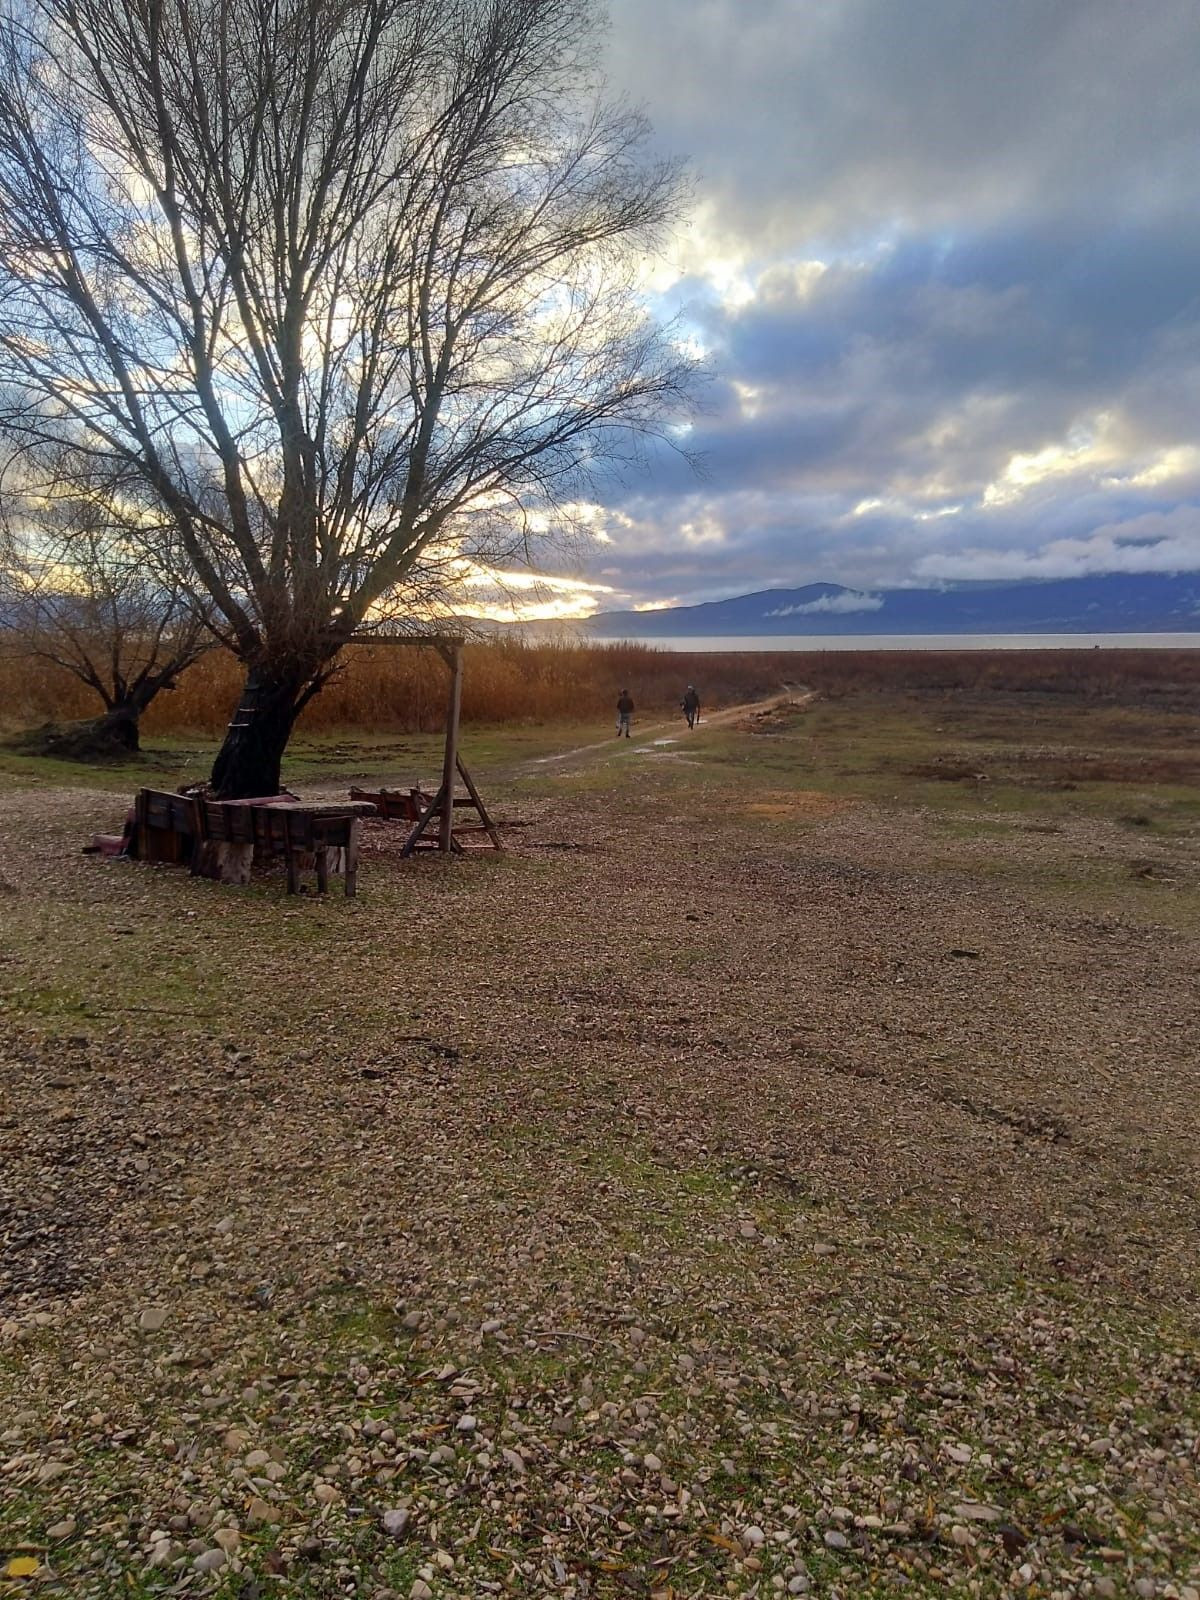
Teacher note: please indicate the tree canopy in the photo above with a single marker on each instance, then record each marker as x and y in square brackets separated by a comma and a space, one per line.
[339, 288]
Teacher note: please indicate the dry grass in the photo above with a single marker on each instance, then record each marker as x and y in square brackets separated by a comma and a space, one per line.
[757, 1179]
[511, 681]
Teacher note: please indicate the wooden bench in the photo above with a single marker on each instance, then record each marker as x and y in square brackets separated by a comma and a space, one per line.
[167, 826]
[298, 834]
[243, 832]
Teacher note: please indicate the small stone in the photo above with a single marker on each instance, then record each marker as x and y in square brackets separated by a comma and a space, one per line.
[753, 1537]
[961, 1453]
[260, 1510]
[234, 1442]
[209, 1561]
[63, 1529]
[748, 1231]
[395, 1522]
[152, 1319]
[972, 1511]
[411, 1321]
[825, 1248]
[492, 1325]
[225, 1225]
[799, 1584]
[1105, 1588]
[1145, 1588]
[325, 1493]
[257, 1459]
[420, 1590]
[961, 1535]
[466, 1425]
[229, 1539]
[652, 1463]
[836, 1541]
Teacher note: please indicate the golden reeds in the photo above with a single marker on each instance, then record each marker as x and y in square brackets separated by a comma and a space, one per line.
[513, 681]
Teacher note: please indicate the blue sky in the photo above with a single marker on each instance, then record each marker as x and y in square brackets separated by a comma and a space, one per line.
[943, 260]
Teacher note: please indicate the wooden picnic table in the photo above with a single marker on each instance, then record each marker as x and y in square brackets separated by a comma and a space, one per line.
[287, 826]
[221, 838]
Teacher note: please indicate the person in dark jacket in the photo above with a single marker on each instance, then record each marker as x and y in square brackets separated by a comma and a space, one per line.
[624, 712]
[691, 706]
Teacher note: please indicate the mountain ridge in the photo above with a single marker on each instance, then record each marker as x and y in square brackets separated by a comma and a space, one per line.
[1101, 603]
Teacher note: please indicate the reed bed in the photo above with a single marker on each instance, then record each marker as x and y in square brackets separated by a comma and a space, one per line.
[509, 681]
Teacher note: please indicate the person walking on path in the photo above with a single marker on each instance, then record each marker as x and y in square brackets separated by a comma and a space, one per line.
[691, 706]
[624, 712]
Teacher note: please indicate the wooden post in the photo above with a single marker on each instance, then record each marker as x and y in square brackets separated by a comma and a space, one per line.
[351, 859]
[450, 761]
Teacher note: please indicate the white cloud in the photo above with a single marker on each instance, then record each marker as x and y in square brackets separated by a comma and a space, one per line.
[847, 601]
[1157, 542]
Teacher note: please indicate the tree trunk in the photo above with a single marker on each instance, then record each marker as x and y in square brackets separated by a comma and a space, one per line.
[249, 761]
[119, 727]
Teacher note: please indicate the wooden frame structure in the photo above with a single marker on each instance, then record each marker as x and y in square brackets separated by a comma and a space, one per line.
[450, 648]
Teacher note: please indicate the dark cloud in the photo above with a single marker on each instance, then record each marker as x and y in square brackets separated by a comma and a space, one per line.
[945, 267]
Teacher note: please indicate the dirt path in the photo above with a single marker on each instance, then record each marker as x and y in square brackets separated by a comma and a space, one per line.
[655, 734]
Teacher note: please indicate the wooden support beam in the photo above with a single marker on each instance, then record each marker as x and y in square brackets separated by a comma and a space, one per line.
[450, 761]
[478, 804]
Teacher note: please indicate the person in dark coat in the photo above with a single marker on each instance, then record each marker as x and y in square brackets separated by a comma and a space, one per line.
[624, 712]
[691, 705]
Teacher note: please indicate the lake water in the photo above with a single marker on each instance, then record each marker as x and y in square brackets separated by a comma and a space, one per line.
[921, 641]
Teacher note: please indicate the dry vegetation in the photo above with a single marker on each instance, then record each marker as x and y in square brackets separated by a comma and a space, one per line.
[776, 1174]
[402, 689]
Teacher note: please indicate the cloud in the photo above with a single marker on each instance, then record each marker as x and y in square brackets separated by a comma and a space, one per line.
[1158, 542]
[842, 603]
[944, 264]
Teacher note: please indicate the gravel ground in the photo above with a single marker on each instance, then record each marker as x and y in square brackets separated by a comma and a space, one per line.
[736, 1188]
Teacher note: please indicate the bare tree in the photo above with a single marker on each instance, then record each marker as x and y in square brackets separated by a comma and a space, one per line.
[344, 286]
[76, 591]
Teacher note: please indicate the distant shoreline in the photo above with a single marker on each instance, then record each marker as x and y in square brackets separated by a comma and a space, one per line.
[710, 644]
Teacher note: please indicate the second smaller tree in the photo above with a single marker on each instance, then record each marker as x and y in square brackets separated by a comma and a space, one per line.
[77, 593]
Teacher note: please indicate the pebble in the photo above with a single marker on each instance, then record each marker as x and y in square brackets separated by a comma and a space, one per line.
[961, 1453]
[256, 1460]
[753, 1537]
[492, 1325]
[325, 1493]
[395, 1522]
[466, 1425]
[420, 1590]
[63, 1529]
[229, 1539]
[209, 1561]
[1105, 1588]
[260, 1510]
[1144, 1587]
[971, 1511]
[652, 1463]
[836, 1541]
[152, 1319]
[799, 1584]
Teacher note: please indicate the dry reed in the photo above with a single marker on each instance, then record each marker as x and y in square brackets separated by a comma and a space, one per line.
[514, 681]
